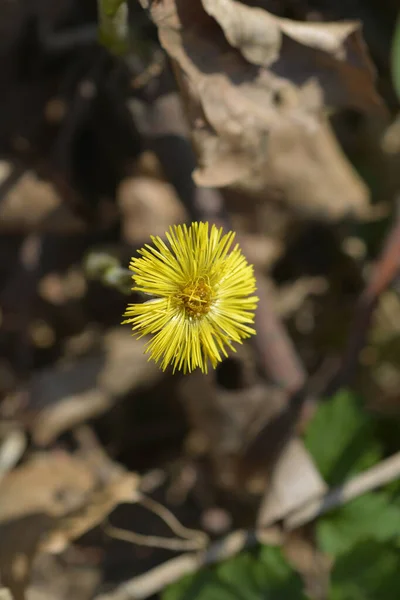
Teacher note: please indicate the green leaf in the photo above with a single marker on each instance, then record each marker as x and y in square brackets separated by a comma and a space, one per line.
[261, 575]
[113, 25]
[370, 571]
[369, 517]
[341, 438]
[396, 58]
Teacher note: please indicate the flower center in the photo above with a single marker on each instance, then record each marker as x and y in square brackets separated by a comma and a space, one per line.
[196, 298]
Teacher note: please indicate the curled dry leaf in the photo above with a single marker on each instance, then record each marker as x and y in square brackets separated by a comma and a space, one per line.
[257, 89]
[100, 503]
[258, 34]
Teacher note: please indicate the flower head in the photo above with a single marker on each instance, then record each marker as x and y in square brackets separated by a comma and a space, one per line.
[201, 293]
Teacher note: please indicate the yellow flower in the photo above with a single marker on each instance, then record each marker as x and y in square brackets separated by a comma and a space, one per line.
[201, 293]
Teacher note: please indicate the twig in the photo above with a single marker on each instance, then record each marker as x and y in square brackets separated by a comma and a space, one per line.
[154, 541]
[169, 519]
[155, 580]
[277, 352]
[144, 586]
[384, 272]
[190, 539]
[382, 473]
[158, 578]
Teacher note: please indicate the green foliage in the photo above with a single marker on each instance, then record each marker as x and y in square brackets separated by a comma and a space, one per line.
[113, 25]
[260, 575]
[362, 535]
[341, 438]
[369, 517]
[370, 571]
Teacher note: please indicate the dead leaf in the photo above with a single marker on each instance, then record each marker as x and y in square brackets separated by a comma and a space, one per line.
[294, 482]
[65, 500]
[29, 200]
[31, 203]
[32, 498]
[56, 483]
[256, 89]
[148, 207]
[260, 250]
[96, 508]
[254, 32]
[259, 35]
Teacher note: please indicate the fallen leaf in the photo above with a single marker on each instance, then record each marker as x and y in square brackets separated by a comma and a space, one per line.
[258, 34]
[56, 483]
[98, 506]
[294, 482]
[32, 498]
[65, 500]
[31, 203]
[256, 90]
[148, 207]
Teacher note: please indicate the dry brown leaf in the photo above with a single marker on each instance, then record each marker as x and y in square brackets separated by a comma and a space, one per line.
[258, 34]
[256, 89]
[260, 250]
[49, 502]
[97, 507]
[148, 207]
[294, 482]
[32, 498]
[51, 483]
[29, 201]
[32, 203]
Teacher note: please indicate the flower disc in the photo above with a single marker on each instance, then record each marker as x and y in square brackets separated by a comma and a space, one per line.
[201, 297]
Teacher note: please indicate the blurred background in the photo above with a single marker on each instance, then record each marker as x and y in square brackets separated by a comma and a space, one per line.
[276, 476]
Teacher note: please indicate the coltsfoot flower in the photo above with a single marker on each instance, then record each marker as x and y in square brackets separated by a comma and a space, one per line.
[201, 297]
